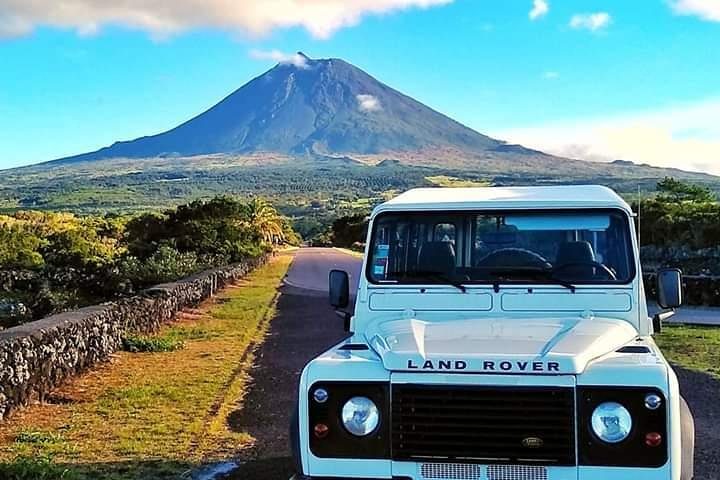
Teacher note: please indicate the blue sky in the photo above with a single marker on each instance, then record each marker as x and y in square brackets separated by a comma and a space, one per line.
[592, 79]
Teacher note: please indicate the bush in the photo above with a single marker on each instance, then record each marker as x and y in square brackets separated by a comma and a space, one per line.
[347, 231]
[165, 265]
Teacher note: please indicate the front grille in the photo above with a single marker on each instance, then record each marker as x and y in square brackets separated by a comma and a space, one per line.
[467, 471]
[534, 425]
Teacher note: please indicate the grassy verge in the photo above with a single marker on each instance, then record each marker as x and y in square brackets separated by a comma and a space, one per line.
[693, 347]
[151, 415]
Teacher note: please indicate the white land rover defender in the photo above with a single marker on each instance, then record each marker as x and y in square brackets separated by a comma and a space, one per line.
[498, 334]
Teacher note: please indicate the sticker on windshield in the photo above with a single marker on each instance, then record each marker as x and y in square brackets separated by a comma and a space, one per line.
[381, 260]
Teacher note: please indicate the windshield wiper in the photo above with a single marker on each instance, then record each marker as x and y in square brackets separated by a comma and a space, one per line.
[430, 275]
[520, 273]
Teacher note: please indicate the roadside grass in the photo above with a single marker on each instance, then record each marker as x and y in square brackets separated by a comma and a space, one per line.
[151, 415]
[150, 343]
[692, 347]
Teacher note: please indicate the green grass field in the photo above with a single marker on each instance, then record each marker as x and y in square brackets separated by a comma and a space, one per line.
[693, 347]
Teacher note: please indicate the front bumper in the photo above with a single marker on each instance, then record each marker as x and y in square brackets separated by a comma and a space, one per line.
[450, 471]
[303, 477]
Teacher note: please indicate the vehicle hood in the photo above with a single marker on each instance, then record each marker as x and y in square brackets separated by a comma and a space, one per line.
[539, 346]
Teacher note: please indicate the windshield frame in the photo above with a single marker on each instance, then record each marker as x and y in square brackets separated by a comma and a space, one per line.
[408, 282]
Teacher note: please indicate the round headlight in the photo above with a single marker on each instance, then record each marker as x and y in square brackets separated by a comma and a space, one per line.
[360, 416]
[611, 422]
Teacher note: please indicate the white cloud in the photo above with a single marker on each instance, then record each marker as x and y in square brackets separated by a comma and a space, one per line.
[165, 17]
[277, 56]
[540, 9]
[684, 136]
[705, 9]
[368, 103]
[13, 26]
[550, 75]
[590, 21]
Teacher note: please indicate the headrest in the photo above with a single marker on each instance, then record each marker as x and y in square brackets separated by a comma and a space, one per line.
[436, 257]
[574, 253]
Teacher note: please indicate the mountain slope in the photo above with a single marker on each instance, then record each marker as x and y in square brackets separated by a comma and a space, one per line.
[326, 107]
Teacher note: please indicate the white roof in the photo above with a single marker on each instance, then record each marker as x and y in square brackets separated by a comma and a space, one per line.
[485, 198]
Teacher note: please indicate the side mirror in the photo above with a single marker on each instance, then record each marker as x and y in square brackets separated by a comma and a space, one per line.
[339, 289]
[669, 288]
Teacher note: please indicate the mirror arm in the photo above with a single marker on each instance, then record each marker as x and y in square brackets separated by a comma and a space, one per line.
[661, 317]
[346, 316]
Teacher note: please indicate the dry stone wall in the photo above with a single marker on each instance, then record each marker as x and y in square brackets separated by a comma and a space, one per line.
[38, 356]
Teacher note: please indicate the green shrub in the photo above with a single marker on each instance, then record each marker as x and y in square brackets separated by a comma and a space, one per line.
[165, 265]
[35, 468]
[151, 344]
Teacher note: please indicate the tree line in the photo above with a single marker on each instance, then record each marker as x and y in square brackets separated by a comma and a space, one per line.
[51, 262]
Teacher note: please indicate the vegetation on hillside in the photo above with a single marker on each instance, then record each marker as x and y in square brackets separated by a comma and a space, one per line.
[312, 192]
[50, 262]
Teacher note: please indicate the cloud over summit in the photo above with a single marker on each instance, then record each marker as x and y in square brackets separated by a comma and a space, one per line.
[165, 17]
[368, 103]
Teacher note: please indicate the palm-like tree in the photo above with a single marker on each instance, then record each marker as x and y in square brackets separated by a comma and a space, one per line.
[266, 221]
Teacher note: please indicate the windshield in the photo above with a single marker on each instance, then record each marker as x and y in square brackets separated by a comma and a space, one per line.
[579, 247]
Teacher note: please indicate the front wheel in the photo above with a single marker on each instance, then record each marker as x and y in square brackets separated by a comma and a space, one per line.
[295, 442]
[687, 442]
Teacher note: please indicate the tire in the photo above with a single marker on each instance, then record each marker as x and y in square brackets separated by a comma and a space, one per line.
[687, 443]
[295, 441]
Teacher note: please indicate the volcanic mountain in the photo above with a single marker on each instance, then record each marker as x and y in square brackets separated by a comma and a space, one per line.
[321, 107]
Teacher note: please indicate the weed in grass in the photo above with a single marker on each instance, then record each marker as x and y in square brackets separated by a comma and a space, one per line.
[143, 343]
[36, 437]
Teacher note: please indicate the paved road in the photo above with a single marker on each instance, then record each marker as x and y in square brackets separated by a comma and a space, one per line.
[306, 325]
[709, 316]
[312, 266]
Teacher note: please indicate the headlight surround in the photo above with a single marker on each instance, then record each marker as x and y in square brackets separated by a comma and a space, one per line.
[360, 416]
[611, 422]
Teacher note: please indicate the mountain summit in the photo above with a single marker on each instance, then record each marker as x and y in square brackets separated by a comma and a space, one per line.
[308, 107]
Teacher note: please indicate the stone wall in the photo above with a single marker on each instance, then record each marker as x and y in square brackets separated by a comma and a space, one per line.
[38, 356]
[698, 290]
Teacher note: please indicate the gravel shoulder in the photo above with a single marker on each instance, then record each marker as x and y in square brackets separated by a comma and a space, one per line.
[304, 327]
[701, 392]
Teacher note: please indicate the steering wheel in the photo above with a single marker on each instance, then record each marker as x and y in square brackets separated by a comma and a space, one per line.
[514, 257]
[611, 275]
